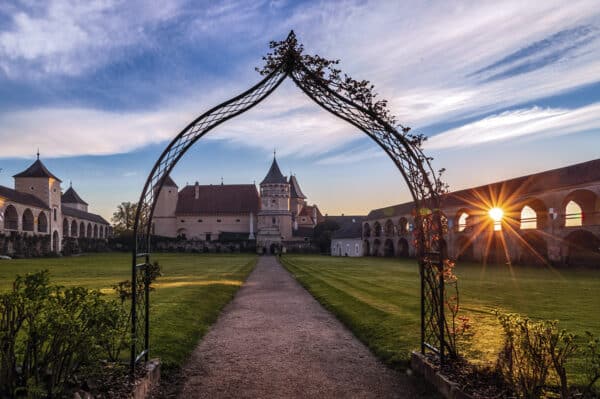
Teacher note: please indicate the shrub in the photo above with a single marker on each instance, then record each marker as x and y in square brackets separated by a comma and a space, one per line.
[592, 360]
[50, 334]
[535, 350]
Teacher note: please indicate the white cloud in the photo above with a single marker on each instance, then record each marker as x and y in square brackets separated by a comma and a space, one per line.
[420, 56]
[70, 37]
[287, 121]
[351, 156]
[517, 124]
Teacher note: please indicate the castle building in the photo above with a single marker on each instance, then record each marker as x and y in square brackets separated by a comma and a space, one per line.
[551, 216]
[38, 207]
[278, 216]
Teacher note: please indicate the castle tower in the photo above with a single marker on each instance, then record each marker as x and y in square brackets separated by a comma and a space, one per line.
[164, 220]
[297, 200]
[275, 217]
[71, 199]
[40, 182]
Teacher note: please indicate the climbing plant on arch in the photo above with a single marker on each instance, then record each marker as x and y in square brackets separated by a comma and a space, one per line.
[356, 103]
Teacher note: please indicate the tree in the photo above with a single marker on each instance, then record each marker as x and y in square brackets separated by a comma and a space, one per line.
[322, 234]
[124, 218]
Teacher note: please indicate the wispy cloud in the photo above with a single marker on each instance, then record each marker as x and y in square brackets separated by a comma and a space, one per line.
[435, 63]
[520, 123]
[351, 156]
[70, 37]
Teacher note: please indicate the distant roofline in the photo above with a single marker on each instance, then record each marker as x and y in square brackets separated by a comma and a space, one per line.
[454, 194]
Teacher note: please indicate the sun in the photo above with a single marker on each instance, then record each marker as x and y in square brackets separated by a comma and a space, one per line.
[496, 214]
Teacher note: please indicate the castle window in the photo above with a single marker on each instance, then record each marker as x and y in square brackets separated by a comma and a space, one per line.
[218, 220]
[31, 188]
[237, 220]
[199, 220]
[274, 221]
[55, 214]
[182, 221]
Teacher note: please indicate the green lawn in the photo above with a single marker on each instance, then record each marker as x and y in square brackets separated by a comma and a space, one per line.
[187, 300]
[378, 299]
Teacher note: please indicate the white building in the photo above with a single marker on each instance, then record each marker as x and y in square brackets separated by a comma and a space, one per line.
[37, 207]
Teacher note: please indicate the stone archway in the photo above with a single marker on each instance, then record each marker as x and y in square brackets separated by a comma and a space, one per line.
[352, 101]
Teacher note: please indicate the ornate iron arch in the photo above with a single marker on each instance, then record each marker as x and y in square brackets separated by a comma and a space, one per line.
[406, 154]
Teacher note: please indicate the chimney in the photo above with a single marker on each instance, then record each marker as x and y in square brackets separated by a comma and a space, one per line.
[196, 191]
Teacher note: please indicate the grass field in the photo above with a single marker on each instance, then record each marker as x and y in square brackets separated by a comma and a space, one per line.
[187, 300]
[378, 299]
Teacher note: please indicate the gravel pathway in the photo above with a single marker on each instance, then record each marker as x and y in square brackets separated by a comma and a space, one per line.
[274, 340]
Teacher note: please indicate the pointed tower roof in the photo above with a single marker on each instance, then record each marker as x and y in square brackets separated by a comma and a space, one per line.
[274, 176]
[71, 197]
[169, 182]
[295, 191]
[37, 169]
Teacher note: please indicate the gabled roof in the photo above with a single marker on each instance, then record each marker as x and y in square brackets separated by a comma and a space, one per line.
[274, 176]
[22, 198]
[218, 199]
[71, 197]
[295, 191]
[350, 226]
[76, 213]
[308, 211]
[37, 169]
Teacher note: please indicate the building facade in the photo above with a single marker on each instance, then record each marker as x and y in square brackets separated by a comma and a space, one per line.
[38, 207]
[552, 216]
[347, 240]
[276, 217]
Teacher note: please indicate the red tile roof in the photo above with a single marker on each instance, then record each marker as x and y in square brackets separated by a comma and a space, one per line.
[218, 199]
[308, 212]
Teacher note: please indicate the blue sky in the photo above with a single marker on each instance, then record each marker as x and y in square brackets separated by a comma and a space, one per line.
[501, 88]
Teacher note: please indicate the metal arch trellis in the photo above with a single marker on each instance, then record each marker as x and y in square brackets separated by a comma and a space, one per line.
[407, 156]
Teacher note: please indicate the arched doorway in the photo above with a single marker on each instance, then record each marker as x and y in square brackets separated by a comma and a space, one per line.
[366, 248]
[27, 220]
[583, 249]
[388, 248]
[494, 252]
[273, 249]
[376, 247]
[533, 248]
[55, 242]
[353, 102]
[42, 222]
[403, 248]
[464, 249]
[65, 228]
[11, 218]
